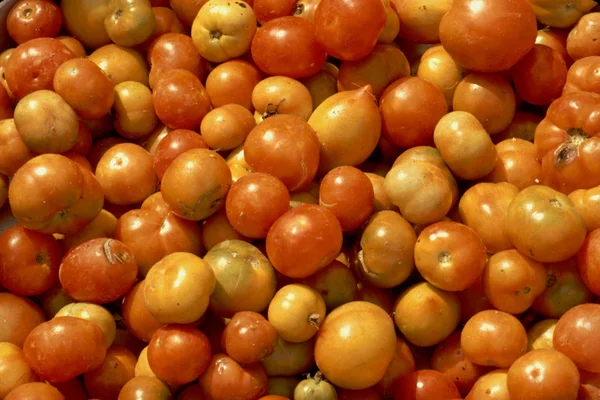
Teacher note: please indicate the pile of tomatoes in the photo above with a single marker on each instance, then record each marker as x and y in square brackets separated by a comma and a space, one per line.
[300, 199]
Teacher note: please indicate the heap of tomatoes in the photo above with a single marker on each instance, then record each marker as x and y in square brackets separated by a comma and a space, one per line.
[300, 199]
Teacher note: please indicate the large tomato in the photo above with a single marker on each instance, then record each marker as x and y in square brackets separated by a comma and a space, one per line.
[568, 142]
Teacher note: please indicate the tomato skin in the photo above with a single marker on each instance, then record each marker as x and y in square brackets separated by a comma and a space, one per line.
[349, 29]
[490, 35]
[64, 347]
[287, 46]
[29, 261]
[589, 262]
[584, 76]
[568, 142]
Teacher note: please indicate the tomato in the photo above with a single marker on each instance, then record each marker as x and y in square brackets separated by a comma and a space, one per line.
[98, 270]
[296, 312]
[177, 289]
[543, 373]
[255, 202]
[13, 368]
[117, 369]
[217, 229]
[378, 262]
[426, 384]
[512, 281]
[583, 39]
[289, 359]
[385, 64]
[134, 110]
[190, 190]
[493, 338]
[281, 95]
[449, 359]
[223, 29]
[232, 82]
[20, 316]
[420, 20]
[517, 164]
[426, 315]
[145, 387]
[33, 390]
[268, 10]
[481, 206]
[64, 347]
[465, 145]
[123, 167]
[226, 127]
[561, 14]
[536, 87]
[583, 76]
[152, 236]
[245, 278]
[409, 119]
[186, 10]
[121, 64]
[349, 29]
[226, 379]
[488, 36]
[249, 337]
[129, 22]
[34, 65]
[179, 354]
[52, 194]
[566, 142]
[339, 186]
[439, 68]
[539, 336]
[534, 212]
[343, 343]
[556, 39]
[136, 316]
[449, 255]
[287, 46]
[93, 313]
[33, 19]
[589, 264]
[490, 386]
[348, 125]
[175, 143]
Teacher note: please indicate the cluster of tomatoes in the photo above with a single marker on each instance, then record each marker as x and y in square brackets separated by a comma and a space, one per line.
[300, 199]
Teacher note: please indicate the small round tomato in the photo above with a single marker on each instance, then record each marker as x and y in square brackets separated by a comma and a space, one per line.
[517, 164]
[98, 271]
[426, 315]
[543, 373]
[567, 142]
[64, 347]
[589, 262]
[29, 261]
[491, 386]
[493, 338]
[117, 369]
[583, 76]
[512, 281]
[539, 77]
[287, 46]
[33, 19]
[349, 29]
[33, 390]
[451, 256]
[490, 35]
[174, 144]
[531, 220]
[179, 354]
[232, 82]
[225, 379]
[248, 337]
[583, 38]
[310, 233]
[255, 202]
[426, 384]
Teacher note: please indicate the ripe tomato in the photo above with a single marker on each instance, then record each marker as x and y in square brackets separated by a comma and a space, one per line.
[567, 144]
[583, 76]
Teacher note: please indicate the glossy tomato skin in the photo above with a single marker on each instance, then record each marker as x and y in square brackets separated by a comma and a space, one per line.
[349, 29]
[584, 76]
[64, 347]
[249, 337]
[33, 64]
[287, 46]
[589, 262]
[567, 141]
[424, 385]
[32, 19]
[308, 232]
[225, 379]
[98, 271]
[175, 143]
[490, 35]
[29, 261]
